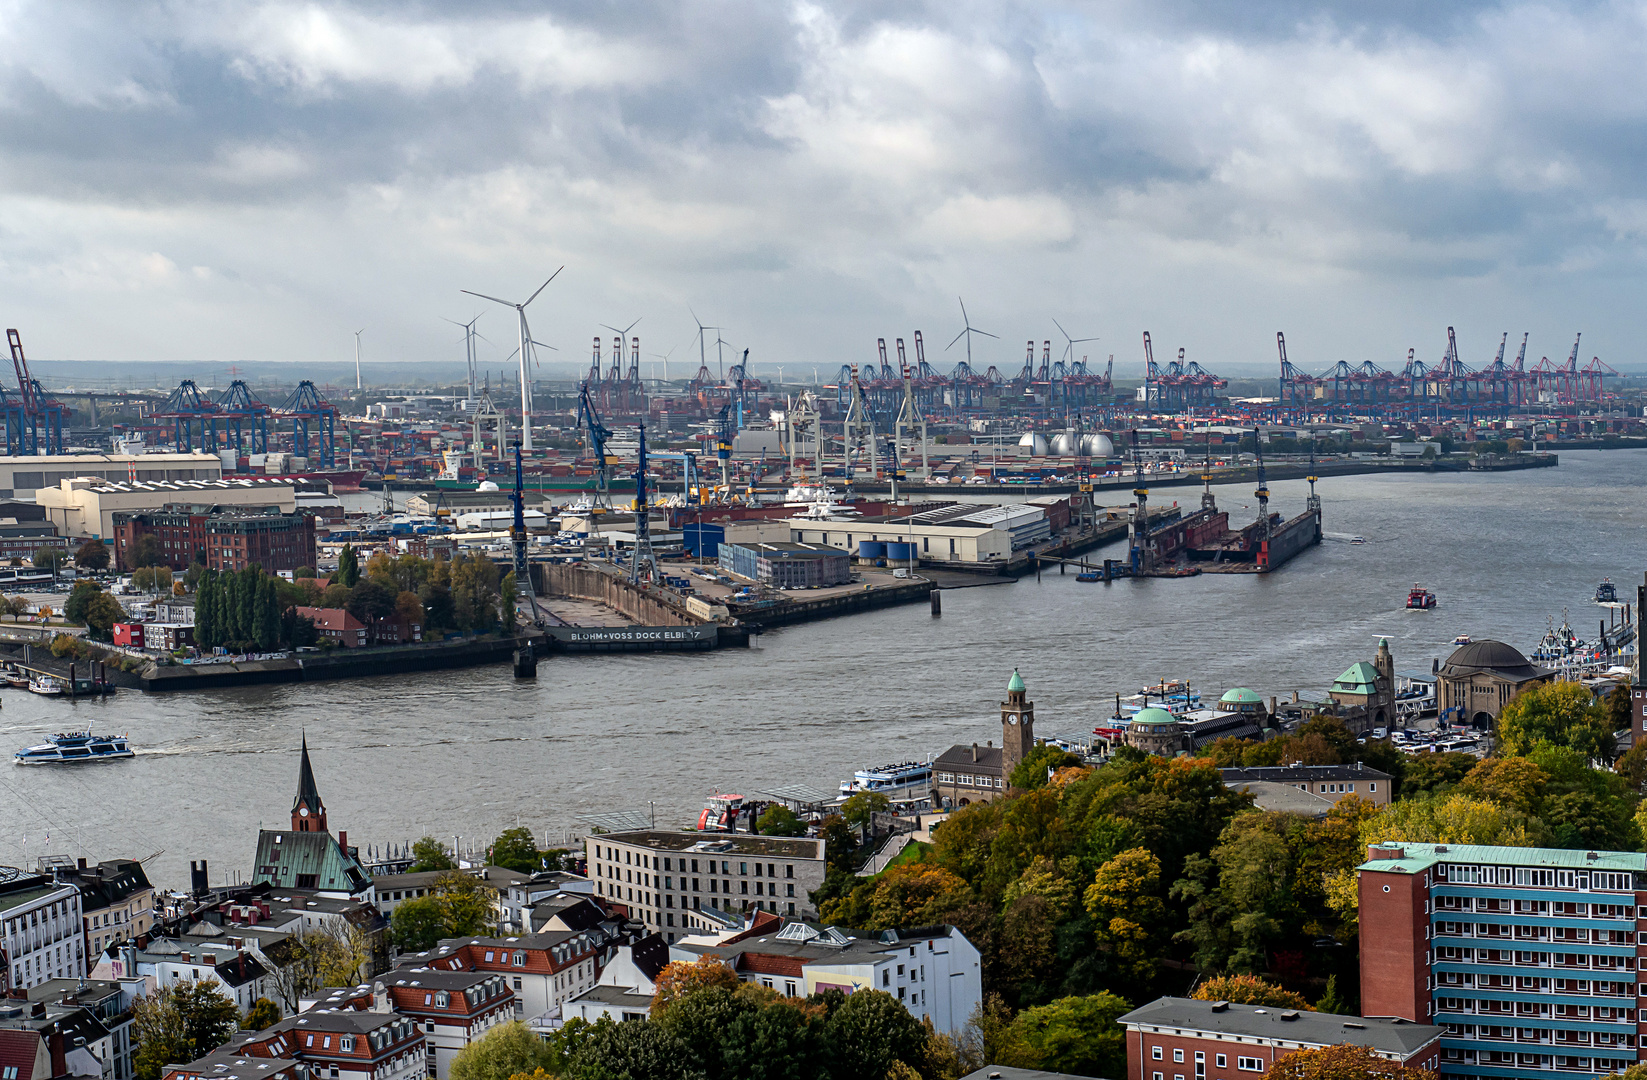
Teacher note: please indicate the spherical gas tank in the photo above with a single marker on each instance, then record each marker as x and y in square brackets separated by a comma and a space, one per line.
[1035, 444]
[1065, 444]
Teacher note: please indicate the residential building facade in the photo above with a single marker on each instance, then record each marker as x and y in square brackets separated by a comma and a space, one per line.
[1527, 957]
[454, 1007]
[544, 971]
[661, 878]
[225, 538]
[1187, 1039]
[934, 971]
[42, 934]
[1331, 782]
[116, 901]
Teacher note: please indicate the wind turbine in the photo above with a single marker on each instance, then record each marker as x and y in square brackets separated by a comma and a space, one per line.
[469, 335]
[359, 332]
[1069, 342]
[703, 356]
[967, 333]
[525, 351]
[665, 358]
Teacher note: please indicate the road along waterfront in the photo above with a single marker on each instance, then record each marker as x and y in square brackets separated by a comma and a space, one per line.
[472, 752]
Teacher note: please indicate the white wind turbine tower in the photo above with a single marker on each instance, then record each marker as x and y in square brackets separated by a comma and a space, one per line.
[525, 358]
[359, 332]
[469, 336]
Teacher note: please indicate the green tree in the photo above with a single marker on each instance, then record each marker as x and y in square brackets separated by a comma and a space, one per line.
[1332, 1001]
[869, 1032]
[1632, 765]
[348, 567]
[1512, 782]
[266, 615]
[437, 606]
[1248, 990]
[151, 578]
[505, 1051]
[1559, 714]
[74, 608]
[370, 602]
[1124, 906]
[840, 844]
[263, 1013]
[610, 1051]
[1619, 712]
[859, 807]
[1032, 772]
[101, 612]
[430, 854]
[1075, 1035]
[515, 850]
[1435, 772]
[18, 606]
[780, 820]
[179, 1024]
[418, 925]
[145, 551]
[49, 558]
[92, 555]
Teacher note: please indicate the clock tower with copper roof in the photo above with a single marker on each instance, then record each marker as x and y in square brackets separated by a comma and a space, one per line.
[1017, 727]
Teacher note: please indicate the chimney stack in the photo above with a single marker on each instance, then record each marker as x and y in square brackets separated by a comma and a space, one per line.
[974, 751]
[343, 841]
[197, 877]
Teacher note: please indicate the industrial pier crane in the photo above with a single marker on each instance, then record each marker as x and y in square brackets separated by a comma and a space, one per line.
[597, 433]
[643, 564]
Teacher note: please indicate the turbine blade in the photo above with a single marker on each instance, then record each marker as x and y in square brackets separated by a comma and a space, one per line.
[957, 337]
[986, 333]
[542, 287]
[1060, 327]
[493, 299]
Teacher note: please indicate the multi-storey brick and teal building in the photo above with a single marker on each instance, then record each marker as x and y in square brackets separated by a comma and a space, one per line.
[1527, 957]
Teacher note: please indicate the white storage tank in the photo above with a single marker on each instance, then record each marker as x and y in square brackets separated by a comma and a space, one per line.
[1066, 444]
[1098, 446]
[1035, 444]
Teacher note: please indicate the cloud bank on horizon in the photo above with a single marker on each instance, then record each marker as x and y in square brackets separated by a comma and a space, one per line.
[252, 180]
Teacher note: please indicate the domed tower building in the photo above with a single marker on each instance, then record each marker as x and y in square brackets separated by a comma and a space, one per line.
[1480, 678]
[1155, 731]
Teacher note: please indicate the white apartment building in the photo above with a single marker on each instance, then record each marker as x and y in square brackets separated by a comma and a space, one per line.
[662, 878]
[41, 932]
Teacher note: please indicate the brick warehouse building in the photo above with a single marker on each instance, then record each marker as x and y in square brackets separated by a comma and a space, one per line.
[229, 538]
[1527, 957]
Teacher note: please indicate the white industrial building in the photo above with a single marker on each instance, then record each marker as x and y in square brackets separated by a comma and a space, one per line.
[20, 477]
[949, 542]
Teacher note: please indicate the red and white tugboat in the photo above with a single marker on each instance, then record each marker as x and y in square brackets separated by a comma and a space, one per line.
[1421, 598]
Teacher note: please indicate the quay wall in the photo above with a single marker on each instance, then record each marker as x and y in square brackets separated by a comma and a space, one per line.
[789, 612]
[339, 664]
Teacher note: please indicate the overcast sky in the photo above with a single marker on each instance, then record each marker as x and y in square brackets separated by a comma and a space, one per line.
[248, 182]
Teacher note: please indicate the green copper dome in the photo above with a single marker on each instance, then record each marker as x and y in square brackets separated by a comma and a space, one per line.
[1154, 716]
[1016, 682]
[1240, 696]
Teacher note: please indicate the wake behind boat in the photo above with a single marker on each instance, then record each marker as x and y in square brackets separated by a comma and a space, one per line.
[75, 746]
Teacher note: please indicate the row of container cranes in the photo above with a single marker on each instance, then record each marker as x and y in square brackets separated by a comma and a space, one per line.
[235, 419]
[1449, 386]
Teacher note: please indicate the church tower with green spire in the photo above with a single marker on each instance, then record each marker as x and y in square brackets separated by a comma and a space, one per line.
[1017, 727]
[308, 812]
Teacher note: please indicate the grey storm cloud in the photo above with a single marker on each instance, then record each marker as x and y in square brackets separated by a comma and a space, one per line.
[250, 181]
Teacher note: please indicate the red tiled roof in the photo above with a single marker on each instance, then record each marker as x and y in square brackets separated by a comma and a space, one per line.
[330, 618]
[18, 1049]
[767, 964]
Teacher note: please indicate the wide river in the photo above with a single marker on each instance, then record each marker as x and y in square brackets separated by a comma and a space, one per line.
[469, 753]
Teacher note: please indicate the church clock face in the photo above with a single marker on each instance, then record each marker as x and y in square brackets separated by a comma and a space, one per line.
[1012, 718]
[303, 811]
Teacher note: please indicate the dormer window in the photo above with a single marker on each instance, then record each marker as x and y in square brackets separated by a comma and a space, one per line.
[442, 999]
[346, 1043]
[520, 958]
